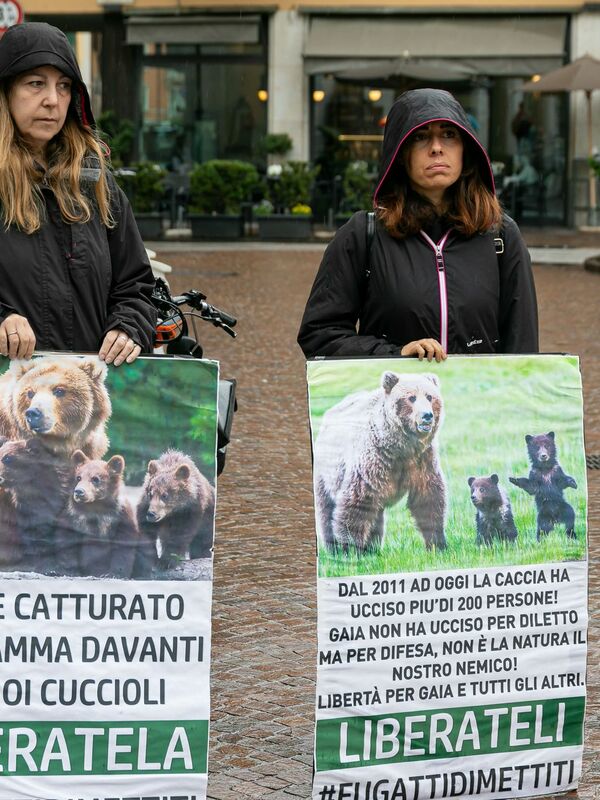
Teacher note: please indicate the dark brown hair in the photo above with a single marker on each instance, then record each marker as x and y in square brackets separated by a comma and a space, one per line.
[471, 206]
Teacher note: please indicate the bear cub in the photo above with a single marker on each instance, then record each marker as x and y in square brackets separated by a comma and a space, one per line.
[546, 483]
[494, 517]
[101, 537]
[176, 509]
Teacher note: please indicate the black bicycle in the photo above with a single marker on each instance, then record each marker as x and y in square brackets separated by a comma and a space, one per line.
[173, 335]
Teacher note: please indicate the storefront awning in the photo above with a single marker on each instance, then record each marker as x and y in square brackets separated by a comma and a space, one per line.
[192, 29]
[429, 69]
[465, 38]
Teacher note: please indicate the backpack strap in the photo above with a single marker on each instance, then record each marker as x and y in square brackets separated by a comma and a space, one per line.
[370, 235]
[499, 247]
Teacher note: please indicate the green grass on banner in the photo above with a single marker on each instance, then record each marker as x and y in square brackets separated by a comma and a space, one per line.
[490, 405]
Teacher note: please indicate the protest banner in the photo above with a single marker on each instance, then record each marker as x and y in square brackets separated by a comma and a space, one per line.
[451, 508]
[107, 498]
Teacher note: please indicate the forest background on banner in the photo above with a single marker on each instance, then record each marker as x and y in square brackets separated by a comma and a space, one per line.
[162, 397]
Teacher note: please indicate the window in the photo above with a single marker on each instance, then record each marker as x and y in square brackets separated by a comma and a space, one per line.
[201, 102]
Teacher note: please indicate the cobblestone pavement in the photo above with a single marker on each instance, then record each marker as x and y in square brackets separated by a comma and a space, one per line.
[264, 648]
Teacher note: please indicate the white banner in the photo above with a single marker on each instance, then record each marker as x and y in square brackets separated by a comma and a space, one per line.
[452, 593]
[107, 504]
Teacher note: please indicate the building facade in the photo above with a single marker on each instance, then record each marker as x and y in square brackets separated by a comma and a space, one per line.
[209, 81]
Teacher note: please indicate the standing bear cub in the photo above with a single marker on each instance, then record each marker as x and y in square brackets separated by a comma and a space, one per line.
[176, 509]
[494, 517]
[373, 448]
[546, 483]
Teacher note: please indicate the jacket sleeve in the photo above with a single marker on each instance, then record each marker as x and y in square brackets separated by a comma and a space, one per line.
[518, 318]
[130, 307]
[6, 311]
[328, 326]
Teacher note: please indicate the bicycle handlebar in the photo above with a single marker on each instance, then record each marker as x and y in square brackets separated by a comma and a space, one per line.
[211, 312]
[197, 301]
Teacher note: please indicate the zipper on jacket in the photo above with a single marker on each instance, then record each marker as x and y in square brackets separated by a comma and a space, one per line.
[438, 249]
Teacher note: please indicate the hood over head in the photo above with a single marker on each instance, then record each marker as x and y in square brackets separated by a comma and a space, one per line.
[37, 44]
[419, 107]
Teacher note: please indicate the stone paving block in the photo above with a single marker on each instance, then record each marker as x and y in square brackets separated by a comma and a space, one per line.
[300, 790]
[272, 782]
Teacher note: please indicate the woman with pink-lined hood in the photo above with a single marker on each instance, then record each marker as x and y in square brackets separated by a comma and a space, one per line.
[440, 268]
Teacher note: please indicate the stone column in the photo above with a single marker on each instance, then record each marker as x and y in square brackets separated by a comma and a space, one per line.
[288, 109]
[585, 35]
[83, 50]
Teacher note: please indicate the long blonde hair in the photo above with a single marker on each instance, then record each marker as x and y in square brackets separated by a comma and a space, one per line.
[21, 197]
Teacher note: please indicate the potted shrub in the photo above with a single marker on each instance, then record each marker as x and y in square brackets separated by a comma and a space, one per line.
[288, 191]
[217, 190]
[357, 187]
[143, 183]
[275, 146]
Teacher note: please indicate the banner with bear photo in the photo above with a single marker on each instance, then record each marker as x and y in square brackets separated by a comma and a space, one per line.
[107, 501]
[451, 509]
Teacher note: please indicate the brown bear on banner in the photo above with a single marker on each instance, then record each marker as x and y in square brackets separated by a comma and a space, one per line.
[99, 535]
[176, 508]
[62, 401]
[373, 448]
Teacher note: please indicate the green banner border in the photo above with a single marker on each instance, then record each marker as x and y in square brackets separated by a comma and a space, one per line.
[328, 734]
[64, 739]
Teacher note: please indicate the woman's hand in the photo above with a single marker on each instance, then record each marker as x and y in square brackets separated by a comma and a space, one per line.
[424, 348]
[17, 339]
[117, 347]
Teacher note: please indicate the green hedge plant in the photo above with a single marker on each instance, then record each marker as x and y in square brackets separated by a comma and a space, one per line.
[290, 185]
[220, 186]
[143, 183]
[358, 187]
[277, 144]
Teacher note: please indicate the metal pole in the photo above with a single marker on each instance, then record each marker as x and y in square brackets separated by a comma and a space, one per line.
[592, 174]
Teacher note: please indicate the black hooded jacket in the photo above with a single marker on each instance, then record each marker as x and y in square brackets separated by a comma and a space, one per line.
[73, 282]
[439, 284]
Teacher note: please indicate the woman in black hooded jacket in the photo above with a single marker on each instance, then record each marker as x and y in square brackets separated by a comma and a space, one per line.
[74, 273]
[445, 271]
